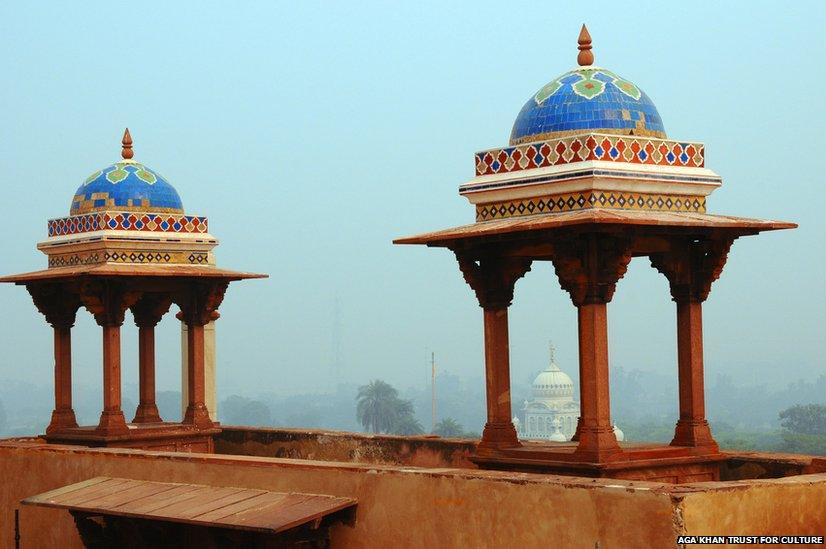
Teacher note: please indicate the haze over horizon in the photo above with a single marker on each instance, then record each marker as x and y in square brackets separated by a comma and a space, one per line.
[313, 134]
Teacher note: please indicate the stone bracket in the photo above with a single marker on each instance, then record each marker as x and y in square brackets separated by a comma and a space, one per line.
[107, 300]
[56, 303]
[692, 266]
[590, 266]
[492, 277]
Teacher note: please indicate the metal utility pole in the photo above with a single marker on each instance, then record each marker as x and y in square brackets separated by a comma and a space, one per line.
[432, 392]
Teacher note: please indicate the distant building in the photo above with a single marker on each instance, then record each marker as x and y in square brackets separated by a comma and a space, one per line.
[552, 413]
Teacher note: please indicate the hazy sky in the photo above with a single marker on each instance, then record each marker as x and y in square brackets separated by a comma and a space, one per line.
[314, 133]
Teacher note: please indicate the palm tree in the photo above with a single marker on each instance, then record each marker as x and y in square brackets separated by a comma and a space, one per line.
[377, 406]
[407, 424]
[449, 427]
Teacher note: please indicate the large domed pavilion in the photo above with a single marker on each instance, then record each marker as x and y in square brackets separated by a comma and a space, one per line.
[588, 180]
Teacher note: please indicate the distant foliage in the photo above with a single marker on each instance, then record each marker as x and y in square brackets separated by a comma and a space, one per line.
[238, 410]
[804, 419]
[380, 410]
[449, 427]
[407, 424]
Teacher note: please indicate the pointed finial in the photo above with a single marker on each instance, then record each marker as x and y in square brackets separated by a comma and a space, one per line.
[586, 56]
[127, 152]
[551, 351]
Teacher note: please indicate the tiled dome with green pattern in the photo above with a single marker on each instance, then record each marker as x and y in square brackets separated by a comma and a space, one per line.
[127, 186]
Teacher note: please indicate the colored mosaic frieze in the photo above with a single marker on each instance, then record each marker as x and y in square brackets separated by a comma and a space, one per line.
[129, 186]
[590, 199]
[586, 99]
[128, 221]
[129, 256]
[609, 148]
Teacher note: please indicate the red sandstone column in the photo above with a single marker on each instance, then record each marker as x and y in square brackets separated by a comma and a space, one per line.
[692, 428]
[691, 266]
[196, 411]
[588, 267]
[594, 429]
[492, 278]
[199, 305]
[111, 418]
[59, 304]
[63, 415]
[147, 411]
[499, 431]
[148, 311]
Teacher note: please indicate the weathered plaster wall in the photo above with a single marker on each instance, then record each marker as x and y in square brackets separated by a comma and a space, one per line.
[785, 506]
[418, 451]
[400, 507]
[407, 506]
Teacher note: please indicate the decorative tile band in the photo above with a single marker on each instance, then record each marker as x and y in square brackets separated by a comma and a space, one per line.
[609, 148]
[590, 199]
[129, 256]
[128, 221]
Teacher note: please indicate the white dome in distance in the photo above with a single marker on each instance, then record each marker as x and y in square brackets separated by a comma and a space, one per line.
[552, 383]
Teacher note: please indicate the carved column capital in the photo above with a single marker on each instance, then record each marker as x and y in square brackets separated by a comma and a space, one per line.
[56, 302]
[590, 266]
[150, 308]
[107, 300]
[493, 278]
[200, 300]
[692, 266]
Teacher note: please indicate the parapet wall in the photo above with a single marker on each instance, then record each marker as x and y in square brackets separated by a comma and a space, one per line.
[406, 506]
[342, 446]
[429, 451]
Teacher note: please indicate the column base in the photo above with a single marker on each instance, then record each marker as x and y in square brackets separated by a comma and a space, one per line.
[147, 413]
[575, 437]
[197, 414]
[597, 444]
[112, 422]
[694, 433]
[61, 419]
[498, 436]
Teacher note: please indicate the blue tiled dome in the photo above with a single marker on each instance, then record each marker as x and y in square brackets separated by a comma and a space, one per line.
[128, 186]
[587, 99]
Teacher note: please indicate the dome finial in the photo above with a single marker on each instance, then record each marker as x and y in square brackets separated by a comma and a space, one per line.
[127, 152]
[551, 351]
[586, 56]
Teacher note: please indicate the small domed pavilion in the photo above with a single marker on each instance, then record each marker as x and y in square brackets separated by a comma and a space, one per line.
[590, 180]
[127, 244]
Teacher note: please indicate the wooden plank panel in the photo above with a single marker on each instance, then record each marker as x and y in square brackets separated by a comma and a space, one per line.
[179, 492]
[263, 500]
[219, 503]
[115, 500]
[160, 504]
[207, 495]
[302, 513]
[104, 488]
[223, 507]
[46, 496]
[255, 516]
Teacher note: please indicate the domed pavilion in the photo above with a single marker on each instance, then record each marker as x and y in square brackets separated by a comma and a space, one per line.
[128, 244]
[589, 180]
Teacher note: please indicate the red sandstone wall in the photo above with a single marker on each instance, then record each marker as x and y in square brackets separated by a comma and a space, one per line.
[434, 507]
[400, 507]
